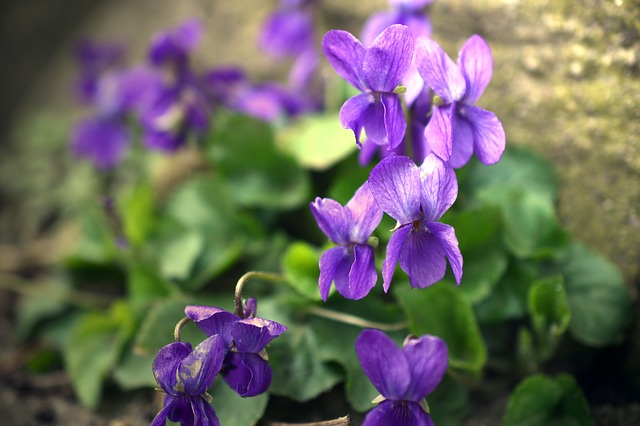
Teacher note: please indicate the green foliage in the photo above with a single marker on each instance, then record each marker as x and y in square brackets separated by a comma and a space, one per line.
[443, 311]
[544, 401]
[233, 409]
[549, 310]
[300, 267]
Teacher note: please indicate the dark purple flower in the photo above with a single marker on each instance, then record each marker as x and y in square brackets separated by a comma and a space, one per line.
[185, 375]
[350, 265]
[94, 60]
[417, 198]
[403, 376]
[103, 140]
[376, 71]
[173, 46]
[245, 369]
[457, 129]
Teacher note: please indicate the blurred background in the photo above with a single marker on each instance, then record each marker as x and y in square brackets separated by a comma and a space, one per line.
[566, 83]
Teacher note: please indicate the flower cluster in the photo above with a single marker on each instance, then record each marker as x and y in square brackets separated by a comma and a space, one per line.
[235, 348]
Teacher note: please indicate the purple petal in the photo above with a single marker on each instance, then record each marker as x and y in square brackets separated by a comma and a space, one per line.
[415, 85]
[394, 248]
[250, 307]
[352, 112]
[438, 71]
[428, 360]
[287, 33]
[488, 135]
[253, 334]
[384, 363]
[335, 265]
[181, 410]
[332, 219]
[439, 187]
[438, 132]
[388, 58]
[364, 215]
[163, 141]
[161, 418]
[476, 63]
[102, 140]
[423, 258]
[197, 371]
[175, 44]
[395, 185]
[212, 320]
[167, 362]
[363, 275]
[345, 53]
[397, 413]
[394, 121]
[374, 123]
[462, 148]
[247, 374]
[203, 413]
[446, 235]
[136, 88]
[303, 70]
[376, 24]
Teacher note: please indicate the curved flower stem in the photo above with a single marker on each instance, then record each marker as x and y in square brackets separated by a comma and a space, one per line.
[357, 321]
[178, 329]
[265, 276]
[346, 420]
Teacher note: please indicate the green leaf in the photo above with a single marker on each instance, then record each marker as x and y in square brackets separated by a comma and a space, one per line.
[144, 283]
[93, 350]
[134, 371]
[544, 401]
[517, 169]
[256, 171]
[137, 212]
[349, 176]
[531, 229]
[232, 409]
[449, 403]
[549, 309]
[318, 141]
[178, 255]
[46, 301]
[476, 228]
[482, 272]
[443, 311]
[599, 301]
[300, 267]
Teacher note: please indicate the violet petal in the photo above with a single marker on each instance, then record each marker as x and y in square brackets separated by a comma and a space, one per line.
[423, 258]
[397, 413]
[439, 71]
[476, 63]
[395, 185]
[253, 334]
[438, 133]
[102, 140]
[384, 363]
[388, 58]
[345, 53]
[332, 262]
[212, 320]
[332, 219]
[489, 139]
[428, 360]
[462, 148]
[446, 235]
[363, 275]
[166, 364]
[394, 121]
[352, 111]
[204, 415]
[394, 248]
[439, 187]
[247, 373]
[364, 214]
[199, 369]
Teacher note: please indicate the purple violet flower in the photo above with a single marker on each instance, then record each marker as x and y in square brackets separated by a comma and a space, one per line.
[245, 369]
[457, 129]
[417, 198]
[288, 32]
[376, 71]
[350, 265]
[174, 45]
[95, 60]
[412, 14]
[185, 375]
[403, 376]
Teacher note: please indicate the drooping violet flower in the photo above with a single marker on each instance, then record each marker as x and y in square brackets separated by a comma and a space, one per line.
[94, 60]
[403, 376]
[185, 375]
[457, 129]
[245, 369]
[411, 13]
[376, 71]
[350, 265]
[174, 45]
[417, 198]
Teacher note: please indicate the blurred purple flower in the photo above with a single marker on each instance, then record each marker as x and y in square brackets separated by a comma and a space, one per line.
[174, 45]
[245, 369]
[457, 129]
[376, 71]
[288, 32]
[94, 60]
[417, 198]
[403, 376]
[350, 265]
[405, 12]
[185, 375]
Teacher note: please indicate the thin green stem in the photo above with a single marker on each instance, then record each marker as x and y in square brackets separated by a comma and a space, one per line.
[264, 276]
[356, 321]
[346, 420]
[178, 329]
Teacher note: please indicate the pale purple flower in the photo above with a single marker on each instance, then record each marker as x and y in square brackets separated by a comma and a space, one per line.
[376, 71]
[245, 369]
[94, 60]
[185, 375]
[457, 129]
[288, 32]
[417, 198]
[173, 46]
[403, 376]
[103, 140]
[350, 265]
